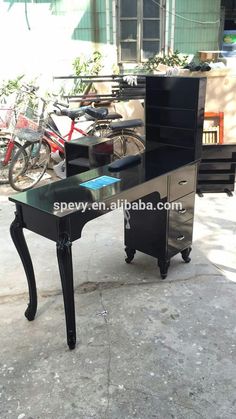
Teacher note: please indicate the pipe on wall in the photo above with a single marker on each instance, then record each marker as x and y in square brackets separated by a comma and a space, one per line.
[94, 23]
[167, 26]
[114, 17]
[108, 38]
[172, 31]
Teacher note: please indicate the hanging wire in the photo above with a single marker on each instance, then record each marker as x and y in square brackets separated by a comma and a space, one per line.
[26, 16]
[185, 18]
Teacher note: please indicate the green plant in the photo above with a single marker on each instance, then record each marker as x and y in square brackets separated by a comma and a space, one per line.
[171, 60]
[19, 98]
[8, 87]
[83, 67]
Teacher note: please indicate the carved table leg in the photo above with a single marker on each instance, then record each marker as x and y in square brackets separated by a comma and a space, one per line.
[130, 254]
[163, 265]
[66, 272]
[185, 254]
[18, 238]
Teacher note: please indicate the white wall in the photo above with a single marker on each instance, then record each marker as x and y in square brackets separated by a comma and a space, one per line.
[46, 49]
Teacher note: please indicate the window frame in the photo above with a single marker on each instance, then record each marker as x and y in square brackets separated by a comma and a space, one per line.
[140, 39]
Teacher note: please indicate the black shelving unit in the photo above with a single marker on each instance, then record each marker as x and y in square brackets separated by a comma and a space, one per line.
[173, 116]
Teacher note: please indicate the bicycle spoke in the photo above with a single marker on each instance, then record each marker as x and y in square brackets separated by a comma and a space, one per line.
[4, 165]
[26, 171]
[126, 143]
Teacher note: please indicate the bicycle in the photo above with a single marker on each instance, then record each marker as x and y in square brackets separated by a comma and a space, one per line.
[125, 140]
[30, 162]
[8, 117]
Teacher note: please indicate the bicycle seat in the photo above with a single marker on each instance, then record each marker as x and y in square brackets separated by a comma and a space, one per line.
[100, 113]
[114, 116]
[130, 123]
[71, 113]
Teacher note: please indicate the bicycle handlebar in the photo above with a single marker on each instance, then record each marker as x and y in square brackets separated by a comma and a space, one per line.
[30, 88]
[59, 112]
[57, 104]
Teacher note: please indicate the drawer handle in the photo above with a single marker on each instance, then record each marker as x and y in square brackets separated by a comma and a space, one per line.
[182, 211]
[183, 182]
[179, 238]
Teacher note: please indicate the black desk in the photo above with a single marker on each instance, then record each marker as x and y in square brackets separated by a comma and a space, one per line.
[164, 174]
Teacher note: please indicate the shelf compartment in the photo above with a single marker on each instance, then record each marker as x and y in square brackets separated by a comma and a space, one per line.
[174, 118]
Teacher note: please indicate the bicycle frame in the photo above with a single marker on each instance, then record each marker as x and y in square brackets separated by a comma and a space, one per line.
[72, 129]
[9, 150]
[57, 141]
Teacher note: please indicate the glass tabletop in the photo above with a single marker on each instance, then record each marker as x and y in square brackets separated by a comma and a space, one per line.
[154, 163]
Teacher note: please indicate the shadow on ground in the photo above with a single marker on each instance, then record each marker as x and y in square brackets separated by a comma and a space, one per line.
[146, 348]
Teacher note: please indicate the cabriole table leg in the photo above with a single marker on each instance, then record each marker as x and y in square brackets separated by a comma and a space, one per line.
[64, 257]
[16, 231]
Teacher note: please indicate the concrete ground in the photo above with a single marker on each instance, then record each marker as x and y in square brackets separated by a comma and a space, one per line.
[146, 348]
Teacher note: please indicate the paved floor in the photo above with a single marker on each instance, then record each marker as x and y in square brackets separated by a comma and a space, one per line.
[147, 348]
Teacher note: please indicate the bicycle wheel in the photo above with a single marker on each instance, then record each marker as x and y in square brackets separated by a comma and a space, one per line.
[29, 165]
[4, 168]
[100, 129]
[126, 143]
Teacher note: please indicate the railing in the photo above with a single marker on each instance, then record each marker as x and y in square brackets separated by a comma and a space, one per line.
[121, 88]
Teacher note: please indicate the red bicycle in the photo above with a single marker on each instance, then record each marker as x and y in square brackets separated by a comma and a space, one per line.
[9, 144]
[31, 160]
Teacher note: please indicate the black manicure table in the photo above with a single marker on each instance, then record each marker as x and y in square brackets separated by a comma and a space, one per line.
[166, 174]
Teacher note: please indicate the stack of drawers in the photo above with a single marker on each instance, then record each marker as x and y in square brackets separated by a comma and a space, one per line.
[181, 190]
[167, 232]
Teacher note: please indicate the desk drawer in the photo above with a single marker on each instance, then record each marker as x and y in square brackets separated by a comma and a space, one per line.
[180, 236]
[182, 182]
[186, 210]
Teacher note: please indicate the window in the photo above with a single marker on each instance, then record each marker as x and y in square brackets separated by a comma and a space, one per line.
[140, 29]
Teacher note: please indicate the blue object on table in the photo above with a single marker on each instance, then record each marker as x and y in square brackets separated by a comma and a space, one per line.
[100, 182]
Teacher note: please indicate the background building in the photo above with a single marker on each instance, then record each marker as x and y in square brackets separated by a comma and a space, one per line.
[43, 36]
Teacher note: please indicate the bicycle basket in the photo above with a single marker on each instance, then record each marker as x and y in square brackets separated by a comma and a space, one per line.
[5, 117]
[28, 126]
[25, 122]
